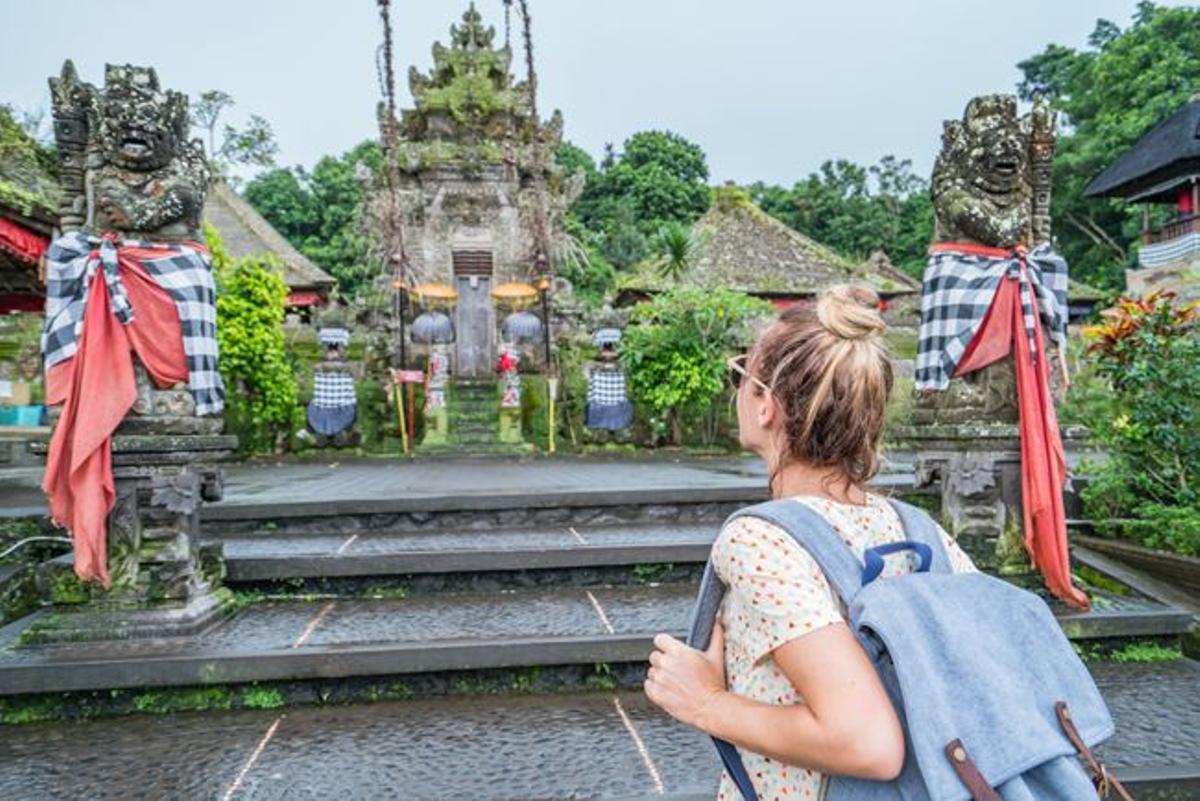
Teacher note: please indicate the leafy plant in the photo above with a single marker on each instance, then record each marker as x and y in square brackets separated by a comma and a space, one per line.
[675, 247]
[674, 356]
[1148, 351]
[261, 395]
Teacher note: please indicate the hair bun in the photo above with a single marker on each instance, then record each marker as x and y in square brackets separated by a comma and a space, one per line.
[850, 312]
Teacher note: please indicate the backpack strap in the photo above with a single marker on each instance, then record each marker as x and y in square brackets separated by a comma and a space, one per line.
[813, 533]
[920, 527]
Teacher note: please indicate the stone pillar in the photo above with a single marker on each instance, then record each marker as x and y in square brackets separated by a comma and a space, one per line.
[164, 582]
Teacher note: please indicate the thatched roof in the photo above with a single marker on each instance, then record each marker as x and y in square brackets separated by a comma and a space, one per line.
[739, 246]
[27, 186]
[1166, 156]
[244, 233]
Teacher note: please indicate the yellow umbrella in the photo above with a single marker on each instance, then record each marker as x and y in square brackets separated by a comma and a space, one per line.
[435, 294]
[515, 294]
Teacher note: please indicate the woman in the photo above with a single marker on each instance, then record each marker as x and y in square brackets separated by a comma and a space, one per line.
[784, 678]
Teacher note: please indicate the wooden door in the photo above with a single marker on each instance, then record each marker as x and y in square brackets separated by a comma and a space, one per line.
[475, 322]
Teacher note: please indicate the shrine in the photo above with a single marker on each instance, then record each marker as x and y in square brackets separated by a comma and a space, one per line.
[1162, 171]
[469, 184]
[477, 209]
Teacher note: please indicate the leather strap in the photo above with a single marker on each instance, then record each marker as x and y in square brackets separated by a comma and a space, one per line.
[1105, 781]
[969, 774]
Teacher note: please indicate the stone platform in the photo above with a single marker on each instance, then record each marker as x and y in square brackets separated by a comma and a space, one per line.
[599, 745]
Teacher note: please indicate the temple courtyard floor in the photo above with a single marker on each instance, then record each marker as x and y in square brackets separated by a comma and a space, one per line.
[467, 629]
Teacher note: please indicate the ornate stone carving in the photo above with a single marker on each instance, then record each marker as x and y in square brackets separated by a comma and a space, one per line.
[128, 168]
[991, 186]
[465, 154]
[128, 165]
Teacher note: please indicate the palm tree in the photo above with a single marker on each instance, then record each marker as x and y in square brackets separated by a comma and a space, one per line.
[675, 249]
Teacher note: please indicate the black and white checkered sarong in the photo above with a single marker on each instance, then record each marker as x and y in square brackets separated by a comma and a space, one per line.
[606, 387]
[957, 292]
[72, 262]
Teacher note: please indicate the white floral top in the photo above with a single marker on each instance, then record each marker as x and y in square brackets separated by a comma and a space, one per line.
[777, 593]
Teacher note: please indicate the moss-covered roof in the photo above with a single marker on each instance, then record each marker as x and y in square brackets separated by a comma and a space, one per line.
[245, 233]
[27, 181]
[739, 246]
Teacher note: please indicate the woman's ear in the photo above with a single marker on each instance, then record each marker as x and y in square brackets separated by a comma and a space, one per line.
[768, 409]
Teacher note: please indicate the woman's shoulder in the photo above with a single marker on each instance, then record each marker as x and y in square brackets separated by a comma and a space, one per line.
[747, 543]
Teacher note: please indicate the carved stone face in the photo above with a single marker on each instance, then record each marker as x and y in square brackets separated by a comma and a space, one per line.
[142, 127]
[996, 147]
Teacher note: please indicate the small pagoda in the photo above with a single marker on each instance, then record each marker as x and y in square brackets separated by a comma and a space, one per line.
[473, 196]
[1162, 169]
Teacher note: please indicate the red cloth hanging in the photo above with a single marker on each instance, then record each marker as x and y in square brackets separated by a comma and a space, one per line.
[22, 243]
[1043, 459]
[97, 388]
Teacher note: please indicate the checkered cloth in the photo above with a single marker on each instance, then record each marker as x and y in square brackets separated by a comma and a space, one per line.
[333, 336]
[183, 271]
[608, 407]
[334, 405]
[606, 388]
[957, 293]
[333, 390]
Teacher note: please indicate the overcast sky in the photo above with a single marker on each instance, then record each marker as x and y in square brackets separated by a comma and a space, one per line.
[769, 88]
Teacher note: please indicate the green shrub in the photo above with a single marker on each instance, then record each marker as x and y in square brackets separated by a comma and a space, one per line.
[1148, 352]
[674, 357]
[260, 388]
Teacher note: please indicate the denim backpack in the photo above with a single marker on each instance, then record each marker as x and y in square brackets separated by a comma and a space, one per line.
[994, 702]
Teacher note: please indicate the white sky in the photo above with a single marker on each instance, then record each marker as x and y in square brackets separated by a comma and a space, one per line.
[769, 88]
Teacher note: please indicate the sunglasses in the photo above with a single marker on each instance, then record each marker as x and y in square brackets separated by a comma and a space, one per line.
[738, 371]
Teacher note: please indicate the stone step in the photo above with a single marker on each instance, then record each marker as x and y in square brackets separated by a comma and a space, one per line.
[265, 557]
[610, 746]
[328, 638]
[477, 508]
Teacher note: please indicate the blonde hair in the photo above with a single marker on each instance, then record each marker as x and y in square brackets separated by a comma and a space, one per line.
[829, 370]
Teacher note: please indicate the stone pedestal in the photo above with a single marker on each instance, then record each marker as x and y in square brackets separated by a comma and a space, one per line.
[163, 582]
[976, 470]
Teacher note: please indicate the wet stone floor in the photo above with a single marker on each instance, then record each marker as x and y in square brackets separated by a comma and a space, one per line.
[596, 745]
[602, 745]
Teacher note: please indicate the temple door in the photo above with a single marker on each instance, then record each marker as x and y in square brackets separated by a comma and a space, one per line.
[475, 322]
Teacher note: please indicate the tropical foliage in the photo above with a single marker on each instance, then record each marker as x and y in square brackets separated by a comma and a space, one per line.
[1149, 353]
[1108, 94]
[857, 210]
[260, 387]
[253, 144]
[28, 168]
[319, 212]
[674, 356]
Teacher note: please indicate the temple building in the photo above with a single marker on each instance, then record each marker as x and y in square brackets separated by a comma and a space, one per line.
[245, 232]
[469, 187]
[739, 246]
[28, 217]
[1162, 169]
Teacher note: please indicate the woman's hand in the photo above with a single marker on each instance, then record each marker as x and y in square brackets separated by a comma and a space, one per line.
[684, 681]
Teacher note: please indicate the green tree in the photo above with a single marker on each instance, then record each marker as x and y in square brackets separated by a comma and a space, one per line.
[28, 168]
[659, 178]
[674, 355]
[319, 212]
[1148, 351]
[252, 144]
[675, 248]
[261, 395]
[1109, 94]
[857, 209]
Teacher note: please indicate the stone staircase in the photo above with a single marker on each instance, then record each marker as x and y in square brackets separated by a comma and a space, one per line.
[474, 423]
[533, 612]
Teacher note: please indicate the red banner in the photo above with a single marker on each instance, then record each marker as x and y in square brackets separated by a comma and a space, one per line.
[22, 243]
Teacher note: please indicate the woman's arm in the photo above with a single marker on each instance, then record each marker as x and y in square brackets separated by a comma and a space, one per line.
[845, 726]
